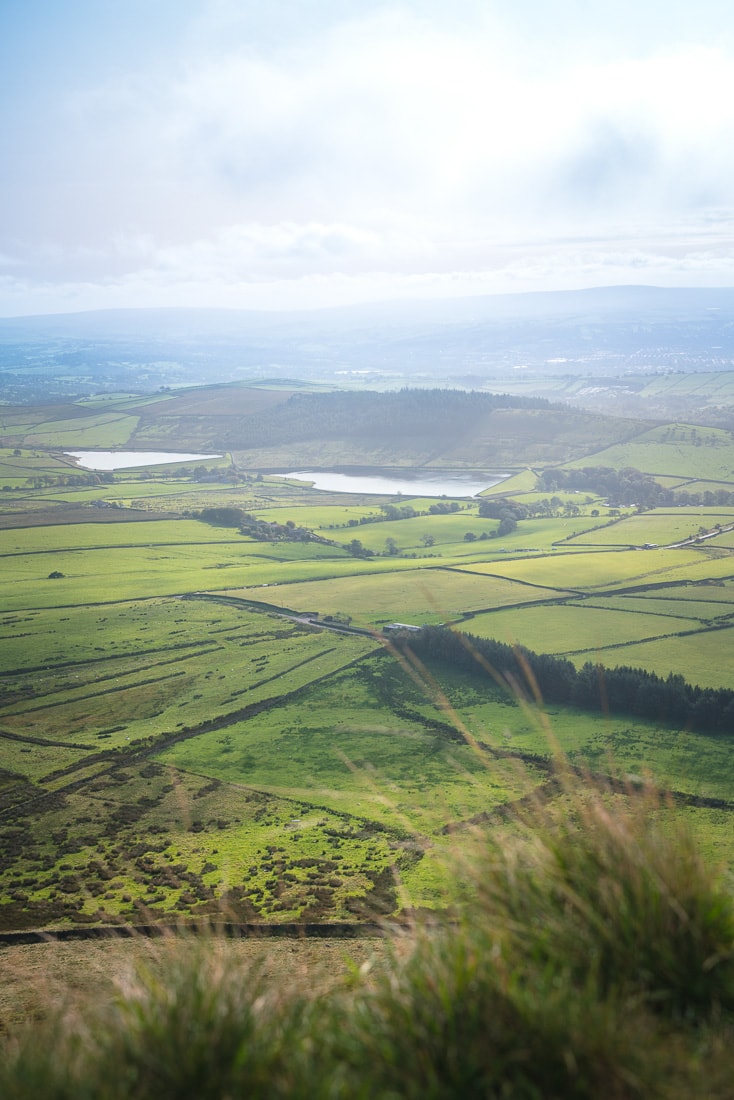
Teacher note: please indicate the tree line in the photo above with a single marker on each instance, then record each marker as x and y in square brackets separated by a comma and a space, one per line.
[408, 414]
[670, 700]
[628, 486]
[259, 529]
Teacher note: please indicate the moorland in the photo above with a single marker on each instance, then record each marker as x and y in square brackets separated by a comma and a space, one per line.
[226, 693]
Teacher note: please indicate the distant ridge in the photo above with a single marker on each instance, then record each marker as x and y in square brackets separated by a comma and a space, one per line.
[606, 301]
[475, 342]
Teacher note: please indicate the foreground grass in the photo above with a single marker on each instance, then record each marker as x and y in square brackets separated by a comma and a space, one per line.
[592, 956]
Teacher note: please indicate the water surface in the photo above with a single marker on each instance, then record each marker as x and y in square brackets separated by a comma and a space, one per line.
[128, 460]
[423, 483]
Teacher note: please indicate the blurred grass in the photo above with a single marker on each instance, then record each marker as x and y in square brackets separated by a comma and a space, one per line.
[592, 957]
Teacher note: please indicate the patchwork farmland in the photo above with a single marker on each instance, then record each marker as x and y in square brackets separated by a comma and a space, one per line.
[202, 707]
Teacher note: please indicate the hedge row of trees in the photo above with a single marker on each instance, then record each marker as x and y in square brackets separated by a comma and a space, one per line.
[256, 528]
[45, 481]
[633, 691]
[628, 486]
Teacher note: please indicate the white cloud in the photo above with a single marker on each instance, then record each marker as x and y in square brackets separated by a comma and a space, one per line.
[391, 148]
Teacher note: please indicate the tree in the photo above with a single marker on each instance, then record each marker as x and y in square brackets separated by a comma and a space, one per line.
[391, 547]
[470, 537]
[507, 525]
[428, 540]
[55, 576]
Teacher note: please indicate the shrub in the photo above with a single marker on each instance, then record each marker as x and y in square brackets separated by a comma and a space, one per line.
[591, 958]
[615, 895]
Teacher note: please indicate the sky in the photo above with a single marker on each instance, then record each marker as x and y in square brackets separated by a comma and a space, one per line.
[281, 154]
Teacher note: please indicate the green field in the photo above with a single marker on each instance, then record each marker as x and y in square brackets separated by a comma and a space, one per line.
[706, 658]
[601, 570]
[177, 740]
[341, 746]
[680, 449]
[430, 595]
[572, 628]
[105, 429]
[658, 527]
[664, 603]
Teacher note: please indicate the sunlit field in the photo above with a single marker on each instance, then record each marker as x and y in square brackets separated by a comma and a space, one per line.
[195, 718]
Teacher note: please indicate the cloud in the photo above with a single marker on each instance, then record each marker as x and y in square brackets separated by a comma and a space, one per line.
[391, 144]
[387, 116]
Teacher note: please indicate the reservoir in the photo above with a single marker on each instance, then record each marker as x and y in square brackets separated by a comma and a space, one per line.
[428, 483]
[128, 460]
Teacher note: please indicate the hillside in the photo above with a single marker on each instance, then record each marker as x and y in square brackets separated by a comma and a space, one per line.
[272, 428]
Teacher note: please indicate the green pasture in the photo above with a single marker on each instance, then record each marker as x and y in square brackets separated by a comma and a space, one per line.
[544, 534]
[342, 746]
[213, 461]
[705, 658]
[724, 540]
[102, 562]
[448, 533]
[708, 592]
[583, 501]
[104, 430]
[176, 689]
[604, 569]
[33, 762]
[713, 565]
[703, 611]
[408, 533]
[571, 628]
[106, 400]
[658, 526]
[672, 449]
[430, 595]
[677, 760]
[30, 463]
[160, 496]
[295, 551]
[125, 630]
[521, 482]
[674, 482]
[176, 495]
[331, 521]
[81, 536]
[124, 573]
[101, 680]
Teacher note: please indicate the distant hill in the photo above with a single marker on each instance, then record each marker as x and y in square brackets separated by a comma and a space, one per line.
[280, 429]
[604, 331]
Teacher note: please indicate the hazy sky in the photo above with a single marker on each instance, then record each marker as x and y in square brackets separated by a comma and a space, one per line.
[289, 153]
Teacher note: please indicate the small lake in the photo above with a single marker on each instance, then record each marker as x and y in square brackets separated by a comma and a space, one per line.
[418, 483]
[128, 460]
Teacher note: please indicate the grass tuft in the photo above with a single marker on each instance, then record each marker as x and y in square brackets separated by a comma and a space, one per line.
[592, 957]
[610, 889]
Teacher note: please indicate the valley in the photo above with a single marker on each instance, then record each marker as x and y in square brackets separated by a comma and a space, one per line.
[209, 708]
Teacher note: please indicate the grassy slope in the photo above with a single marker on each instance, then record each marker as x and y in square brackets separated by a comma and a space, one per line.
[304, 808]
[694, 452]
